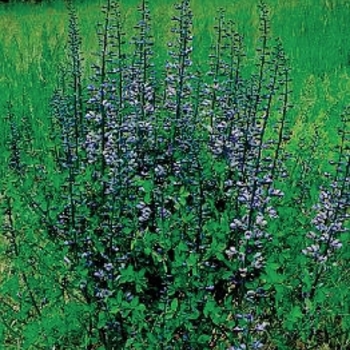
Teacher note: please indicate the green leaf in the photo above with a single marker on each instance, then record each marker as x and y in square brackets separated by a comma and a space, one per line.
[152, 338]
[147, 198]
[174, 304]
[114, 310]
[127, 275]
[296, 313]
[141, 307]
[194, 315]
[209, 308]
[203, 339]
[134, 302]
[273, 276]
[279, 293]
[102, 319]
[192, 260]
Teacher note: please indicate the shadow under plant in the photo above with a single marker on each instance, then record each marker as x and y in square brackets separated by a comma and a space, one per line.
[152, 223]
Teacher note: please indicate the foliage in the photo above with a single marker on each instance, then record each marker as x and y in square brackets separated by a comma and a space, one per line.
[169, 211]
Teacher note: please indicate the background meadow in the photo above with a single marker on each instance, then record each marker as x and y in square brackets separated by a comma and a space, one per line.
[54, 297]
[314, 35]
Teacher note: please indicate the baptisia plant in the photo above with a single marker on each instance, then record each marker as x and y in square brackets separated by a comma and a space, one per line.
[169, 179]
[168, 183]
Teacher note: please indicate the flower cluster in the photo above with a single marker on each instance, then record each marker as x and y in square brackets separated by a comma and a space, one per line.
[332, 207]
[329, 226]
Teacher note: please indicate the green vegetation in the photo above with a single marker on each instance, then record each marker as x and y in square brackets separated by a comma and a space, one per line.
[314, 35]
[157, 189]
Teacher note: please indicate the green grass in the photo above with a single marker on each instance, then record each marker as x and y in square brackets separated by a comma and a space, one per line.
[314, 34]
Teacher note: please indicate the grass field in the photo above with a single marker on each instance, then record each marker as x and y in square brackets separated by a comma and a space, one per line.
[314, 35]
[306, 304]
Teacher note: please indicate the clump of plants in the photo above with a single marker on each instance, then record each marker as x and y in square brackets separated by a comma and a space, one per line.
[157, 219]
